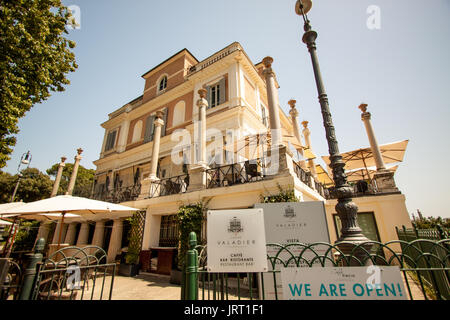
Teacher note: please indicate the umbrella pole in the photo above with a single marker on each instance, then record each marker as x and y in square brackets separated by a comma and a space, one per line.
[60, 230]
[11, 238]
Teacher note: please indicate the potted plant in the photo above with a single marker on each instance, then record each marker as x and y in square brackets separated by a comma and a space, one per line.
[131, 267]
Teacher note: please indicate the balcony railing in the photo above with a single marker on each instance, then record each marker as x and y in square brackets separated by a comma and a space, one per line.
[118, 195]
[214, 58]
[165, 187]
[360, 189]
[304, 176]
[307, 179]
[237, 173]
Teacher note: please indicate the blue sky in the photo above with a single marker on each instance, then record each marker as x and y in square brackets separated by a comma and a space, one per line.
[401, 71]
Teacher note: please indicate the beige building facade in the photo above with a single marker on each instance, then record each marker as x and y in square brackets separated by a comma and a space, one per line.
[210, 130]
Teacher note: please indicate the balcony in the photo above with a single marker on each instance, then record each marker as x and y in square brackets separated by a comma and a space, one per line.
[237, 173]
[119, 194]
[361, 188]
[307, 179]
[169, 186]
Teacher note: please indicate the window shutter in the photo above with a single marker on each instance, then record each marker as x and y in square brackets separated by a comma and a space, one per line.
[163, 129]
[208, 95]
[149, 124]
[222, 91]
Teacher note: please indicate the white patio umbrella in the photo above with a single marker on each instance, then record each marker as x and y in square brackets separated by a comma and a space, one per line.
[64, 205]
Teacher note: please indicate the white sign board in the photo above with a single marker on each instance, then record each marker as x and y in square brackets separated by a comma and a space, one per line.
[236, 241]
[344, 283]
[287, 223]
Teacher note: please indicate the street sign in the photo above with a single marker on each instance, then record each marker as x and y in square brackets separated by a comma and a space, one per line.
[288, 223]
[236, 241]
[343, 283]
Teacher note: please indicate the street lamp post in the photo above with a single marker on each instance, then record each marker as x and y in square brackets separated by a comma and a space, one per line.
[25, 160]
[351, 233]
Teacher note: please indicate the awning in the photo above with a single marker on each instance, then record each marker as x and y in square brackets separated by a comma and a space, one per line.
[363, 158]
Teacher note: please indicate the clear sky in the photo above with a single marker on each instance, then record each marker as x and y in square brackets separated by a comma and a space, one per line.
[402, 71]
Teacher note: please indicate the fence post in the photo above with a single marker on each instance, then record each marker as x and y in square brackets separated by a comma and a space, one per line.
[192, 268]
[30, 271]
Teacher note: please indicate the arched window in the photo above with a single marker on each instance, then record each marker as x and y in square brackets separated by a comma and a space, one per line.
[162, 84]
[137, 131]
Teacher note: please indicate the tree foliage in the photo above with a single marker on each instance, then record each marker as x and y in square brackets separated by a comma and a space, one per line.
[34, 185]
[287, 195]
[35, 58]
[431, 222]
[83, 183]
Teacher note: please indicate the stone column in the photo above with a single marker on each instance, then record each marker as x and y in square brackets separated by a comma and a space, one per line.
[99, 234]
[73, 177]
[306, 134]
[272, 99]
[294, 117]
[365, 117]
[384, 178]
[44, 229]
[202, 104]
[56, 234]
[71, 233]
[58, 177]
[156, 144]
[197, 172]
[83, 235]
[115, 242]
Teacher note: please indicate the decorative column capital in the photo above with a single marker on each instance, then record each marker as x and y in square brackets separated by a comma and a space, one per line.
[293, 112]
[305, 124]
[78, 155]
[364, 115]
[159, 122]
[202, 102]
[63, 162]
[267, 71]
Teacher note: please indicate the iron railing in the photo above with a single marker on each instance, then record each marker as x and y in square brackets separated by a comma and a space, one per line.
[307, 179]
[169, 186]
[74, 273]
[118, 195]
[10, 288]
[413, 262]
[236, 173]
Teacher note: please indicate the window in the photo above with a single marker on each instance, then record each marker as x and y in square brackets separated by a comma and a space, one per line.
[367, 223]
[264, 116]
[110, 140]
[168, 235]
[149, 128]
[162, 84]
[216, 93]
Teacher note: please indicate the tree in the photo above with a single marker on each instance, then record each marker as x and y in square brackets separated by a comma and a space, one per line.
[35, 58]
[83, 184]
[34, 185]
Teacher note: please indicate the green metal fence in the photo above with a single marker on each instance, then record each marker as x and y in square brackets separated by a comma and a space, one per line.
[428, 255]
[70, 273]
[418, 260]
